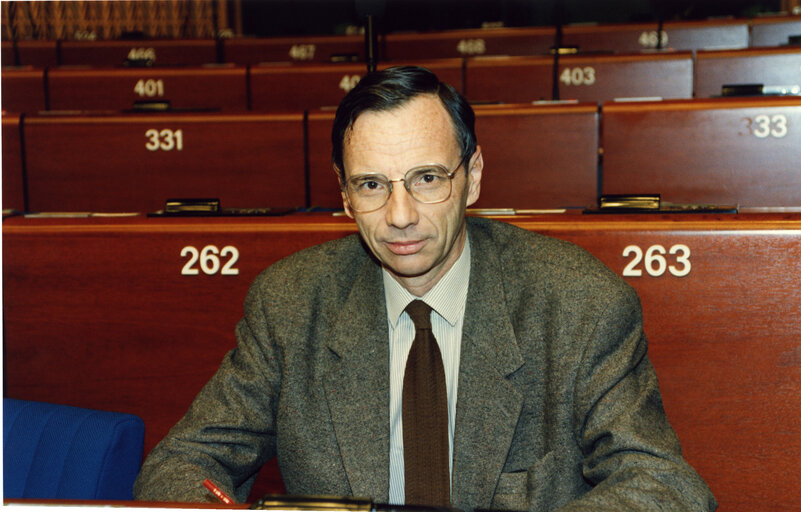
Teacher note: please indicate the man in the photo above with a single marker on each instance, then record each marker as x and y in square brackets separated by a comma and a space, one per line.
[549, 399]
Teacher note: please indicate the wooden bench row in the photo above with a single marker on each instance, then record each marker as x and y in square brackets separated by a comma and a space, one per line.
[633, 37]
[134, 314]
[290, 87]
[724, 150]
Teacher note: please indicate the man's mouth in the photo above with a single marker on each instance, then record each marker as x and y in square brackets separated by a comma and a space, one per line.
[406, 247]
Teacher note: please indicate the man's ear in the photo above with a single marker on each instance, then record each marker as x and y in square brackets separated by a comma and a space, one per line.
[345, 204]
[474, 171]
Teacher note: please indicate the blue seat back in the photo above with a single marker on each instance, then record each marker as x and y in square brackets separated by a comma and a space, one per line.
[64, 452]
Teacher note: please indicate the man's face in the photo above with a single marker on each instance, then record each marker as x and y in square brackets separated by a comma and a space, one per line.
[417, 243]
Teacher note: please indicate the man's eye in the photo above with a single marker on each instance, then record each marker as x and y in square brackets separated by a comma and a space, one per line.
[369, 185]
[427, 178]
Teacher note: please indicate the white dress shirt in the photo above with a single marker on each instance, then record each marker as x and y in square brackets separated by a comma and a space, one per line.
[447, 299]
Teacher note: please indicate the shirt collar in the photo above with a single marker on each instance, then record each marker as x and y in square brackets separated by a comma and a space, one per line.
[447, 297]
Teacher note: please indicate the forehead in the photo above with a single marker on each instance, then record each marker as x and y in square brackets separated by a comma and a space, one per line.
[419, 131]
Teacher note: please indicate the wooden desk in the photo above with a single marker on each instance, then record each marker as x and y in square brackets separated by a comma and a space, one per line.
[727, 150]
[508, 79]
[13, 181]
[468, 43]
[676, 35]
[293, 49]
[134, 162]
[538, 156]
[30, 53]
[774, 30]
[606, 77]
[163, 52]
[210, 87]
[98, 314]
[579, 77]
[287, 87]
[535, 156]
[23, 89]
[767, 66]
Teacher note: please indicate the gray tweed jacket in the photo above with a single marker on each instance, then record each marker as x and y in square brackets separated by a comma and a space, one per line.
[558, 402]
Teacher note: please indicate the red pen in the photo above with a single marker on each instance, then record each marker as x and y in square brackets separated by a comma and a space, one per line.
[217, 492]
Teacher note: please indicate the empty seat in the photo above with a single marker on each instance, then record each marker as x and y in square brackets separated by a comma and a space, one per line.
[13, 189]
[211, 87]
[774, 30]
[55, 451]
[293, 49]
[23, 89]
[160, 52]
[134, 162]
[468, 43]
[676, 35]
[726, 150]
[767, 66]
[308, 86]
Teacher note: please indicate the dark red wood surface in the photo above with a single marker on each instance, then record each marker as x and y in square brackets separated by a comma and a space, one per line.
[30, 53]
[535, 156]
[767, 66]
[293, 49]
[607, 77]
[23, 89]
[287, 87]
[538, 156]
[774, 30]
[468, 43]
[13, 189]
[205, 87]
[729, 150]
[676, 35]
[97, 314]
[114, 52]
[508, 79]
[102, 163]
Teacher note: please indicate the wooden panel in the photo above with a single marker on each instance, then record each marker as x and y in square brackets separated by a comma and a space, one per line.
[767, 66]
[294, 49]
[122, 322]
[685, 35]
[722, 150]
[508, 79]
[23, 89]
[469, 42]
[606, 77]
[133, 162]
[306, 86]
[534, 156]
[214, 87]
[774, 31]
[13, 183]
[538, 156]
[167, 52]
[30, 53]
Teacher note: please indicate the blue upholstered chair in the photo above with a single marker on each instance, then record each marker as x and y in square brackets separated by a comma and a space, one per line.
[58, 451]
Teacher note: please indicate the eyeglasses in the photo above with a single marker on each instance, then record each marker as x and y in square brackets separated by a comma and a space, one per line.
[430, 183]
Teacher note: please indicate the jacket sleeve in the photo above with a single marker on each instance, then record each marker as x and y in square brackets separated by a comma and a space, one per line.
[632, 456]
[228, 432]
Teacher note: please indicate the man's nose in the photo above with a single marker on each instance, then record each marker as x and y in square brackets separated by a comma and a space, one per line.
[401, 208]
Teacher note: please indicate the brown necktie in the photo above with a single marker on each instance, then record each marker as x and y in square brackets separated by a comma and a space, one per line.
[425, 416]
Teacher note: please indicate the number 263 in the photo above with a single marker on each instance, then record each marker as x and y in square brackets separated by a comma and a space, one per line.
[655, 262]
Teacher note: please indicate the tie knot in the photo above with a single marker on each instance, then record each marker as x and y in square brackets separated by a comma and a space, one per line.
[420, 313]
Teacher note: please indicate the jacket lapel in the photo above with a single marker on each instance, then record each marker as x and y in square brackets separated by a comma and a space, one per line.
[357, 386]
[488, 405]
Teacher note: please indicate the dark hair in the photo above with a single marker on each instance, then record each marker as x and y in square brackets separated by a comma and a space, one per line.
[391, 88]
